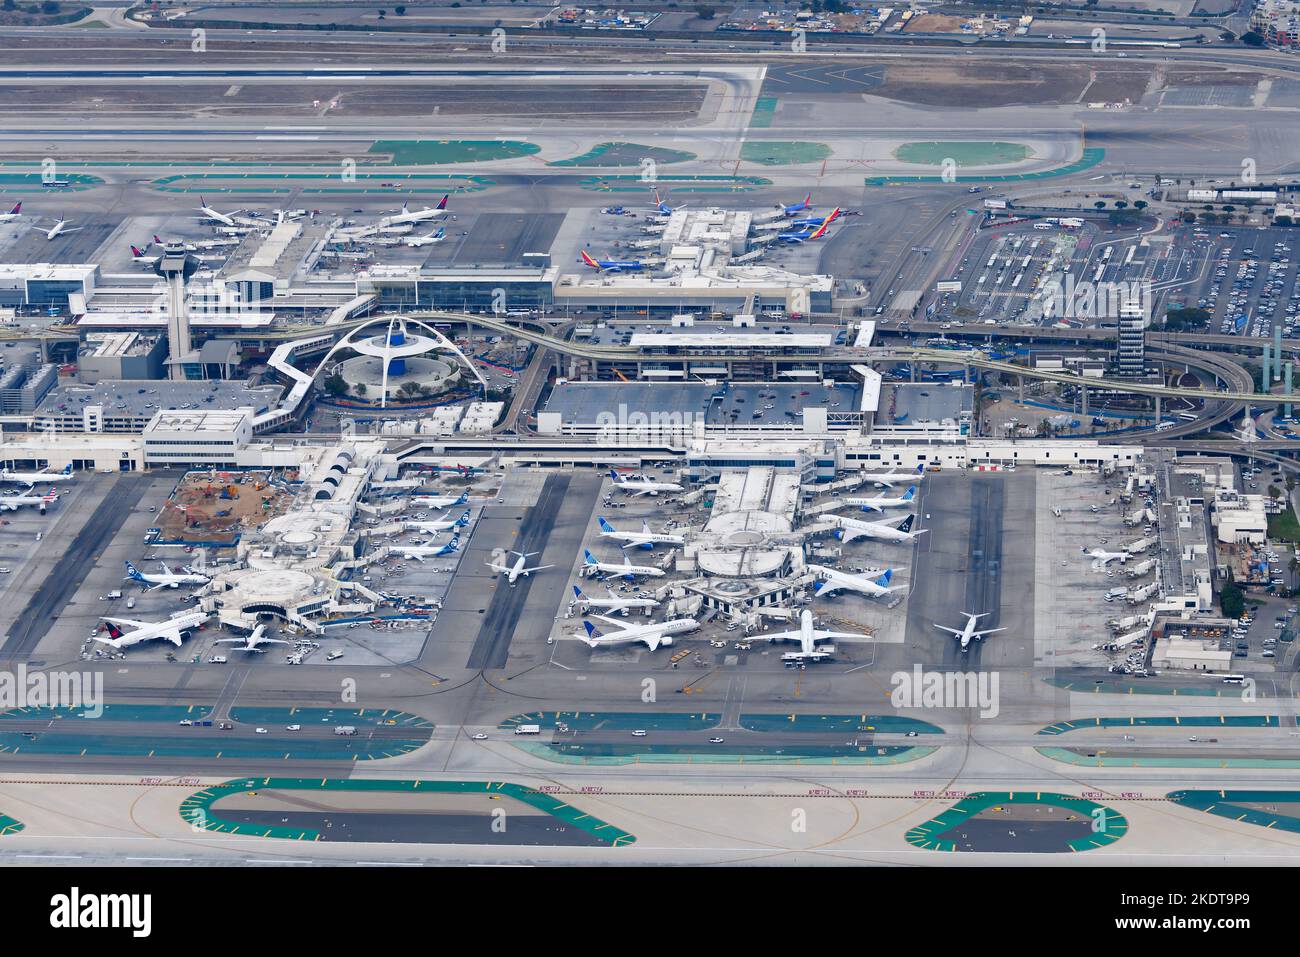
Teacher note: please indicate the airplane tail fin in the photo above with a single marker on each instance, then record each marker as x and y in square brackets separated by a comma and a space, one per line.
[157, 240]
[133, 572]
[18, 208]
[883, 580]
[577, 592]
[591, 631]
[67, 469]
[588, 558]
[906, 524]
[586, 258]
[604, 525]
[442, 203]
[135, 251]
[910, 493]
[920, 469]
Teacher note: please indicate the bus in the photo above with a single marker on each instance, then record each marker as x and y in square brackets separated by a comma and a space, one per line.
[1233, 679]
[1187, 416]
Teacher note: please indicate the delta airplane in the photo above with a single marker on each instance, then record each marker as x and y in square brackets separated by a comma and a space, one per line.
[889, 479]
[852, 529]
[652, 635]
[192, 247]
[253, 642]
[808, 636]
[798, 207]
[613, 602]
[12, 214]
[440, 501]
[34, 478]
[138, 255]
[612, 265]
[626, 570]
[878, 503]
[11, 503]
[642, 486]
[1100, 558]
[512, 572]
[167, 579]
[419, 216]
[57, 230]
[642, 539]
[231, 220]
[968, 634]
[832, 581]
[421, 552]
[440, 524]
[173, 629]
[436, 236]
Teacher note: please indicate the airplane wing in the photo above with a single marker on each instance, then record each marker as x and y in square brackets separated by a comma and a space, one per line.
[778, 636]
[652, 641]
[841, 636]
[955, 631]
[538, 568]
[988, 631]
[174, 636]
[612, 621]
[128, 622]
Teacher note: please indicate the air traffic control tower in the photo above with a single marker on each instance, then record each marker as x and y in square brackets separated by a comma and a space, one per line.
[176, 266]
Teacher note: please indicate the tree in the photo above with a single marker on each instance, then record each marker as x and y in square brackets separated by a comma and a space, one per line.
[705, 13]
[361, 389]
[1252, 39]
[50, 7]
[1230, 600]
[1140, 204]
[1121, 204]
[1100, 204]
[335, 385]
[400, 11]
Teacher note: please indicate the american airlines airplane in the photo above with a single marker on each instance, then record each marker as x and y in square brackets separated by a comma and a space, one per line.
[35, 478]
[613, 602]
[832, 581]
[421, 552]
[173, 629]
[889, 479]
[167, 579]
[253, 642]
[512, 572]
[626, 570]
[808, 636]
[441, 524]
[878, 503]
[642, 486]
[440, 501]
[852, 529]
[652, 635]
[642, 539]
[968, 633]
[11, 503]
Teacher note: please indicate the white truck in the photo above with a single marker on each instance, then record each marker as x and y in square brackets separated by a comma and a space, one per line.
[528, 729]
[1144, 567]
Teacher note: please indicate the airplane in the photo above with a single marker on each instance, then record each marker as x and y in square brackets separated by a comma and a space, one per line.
[808, 636]
[421, 552]
[803, 235]
[138, 256]
[798, 207]
[626, 570]
[253, 642]
[436, 236]
[642, 539]
[419, 216]
[512, 572]
[642, 486]
[173, 629]
[1100, 558]
[440, 501]
[888, 479]
[33, 478]
[11, 503]
[210, 213]
[440, 524]
[878, 503]
[852, 528]
[192, 247]
[968, 633]
[817, 220]
[833, 581]
[653, 635]
[663, 208]
[167, 579]
[613, 602]
[612, 265]
[57, 230]
[12, 214]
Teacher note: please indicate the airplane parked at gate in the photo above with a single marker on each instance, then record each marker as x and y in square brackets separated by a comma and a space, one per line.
[652, 635]
[642, 539]
[642, 485]
[832, 581]
[626, 570]
[808, 636]
[36, 478]
[852, 529]
[167, 579]
[173, 629]
[11, 503]
[253, 642]
[878, 503]
[613, 602]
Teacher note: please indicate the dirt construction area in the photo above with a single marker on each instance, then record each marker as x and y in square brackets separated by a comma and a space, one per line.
[217, 507]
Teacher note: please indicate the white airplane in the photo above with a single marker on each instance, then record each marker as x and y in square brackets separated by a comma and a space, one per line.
[253, 642]
[441, 524]
[1101, 558]
[642, 539]
[57, 230]
[852, 529]
[138, 255]
[173, 629]
[437, 236]
[626, 570]
[35, 478]
[11, 503]
[512, 572]
[652, 635]
[167, 579]
[613, 602]
[440, 501]
[421, 552]
[968, 634]
[878, 503]
[808, 636]
[12, 214]
[642, 486]
[832, 581]
[405, 218]
[231, 220]
[890, 479]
